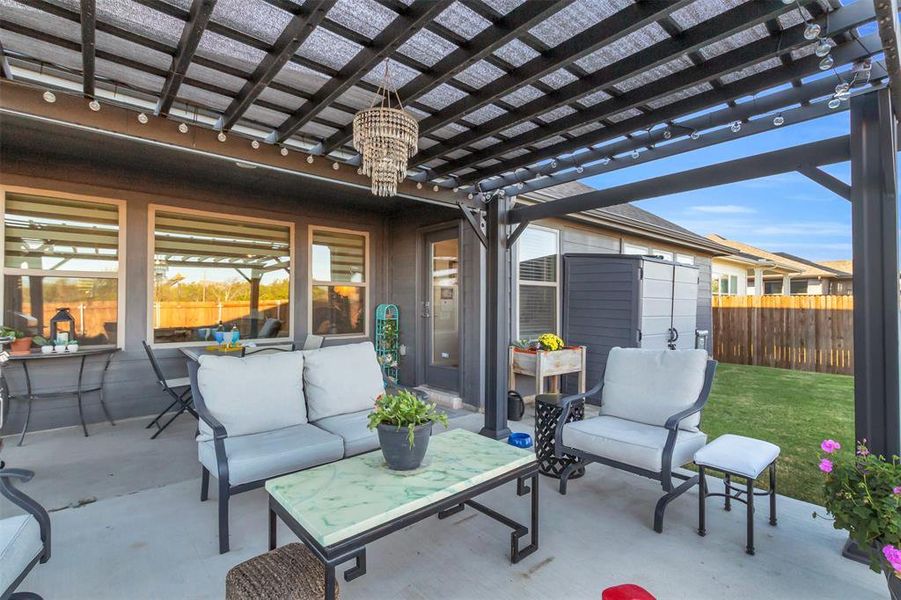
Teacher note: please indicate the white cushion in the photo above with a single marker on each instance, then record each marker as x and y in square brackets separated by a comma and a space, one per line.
[353, 428]
[738, 454]
[265, 455]
[636, 444]
[649, 386]
[20, 543]
[341, 379]
[254, 394]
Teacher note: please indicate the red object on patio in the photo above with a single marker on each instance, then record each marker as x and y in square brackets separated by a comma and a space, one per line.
[627, 591]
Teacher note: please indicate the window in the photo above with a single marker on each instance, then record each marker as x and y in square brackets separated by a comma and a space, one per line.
[339, 262]
[800, 286]
[538, 282]
[772, 287]
[210, 270]
[62, 252]
[685, 259]
[725, 285]
[664, 254]
[634, 249]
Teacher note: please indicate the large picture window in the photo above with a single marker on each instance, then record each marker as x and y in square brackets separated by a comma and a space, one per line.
[537, 271]
[212, 270]
[339, 264]
[62, 252]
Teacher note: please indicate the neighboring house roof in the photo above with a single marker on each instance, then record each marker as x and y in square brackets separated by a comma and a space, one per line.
[836, 272]
[628, 217]
[845, 266]
[778, 261]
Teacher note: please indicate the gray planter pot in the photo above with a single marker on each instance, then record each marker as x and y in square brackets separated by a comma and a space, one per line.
[396, 446]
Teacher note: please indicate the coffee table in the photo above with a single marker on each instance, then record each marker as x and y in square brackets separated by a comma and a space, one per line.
[339, 508]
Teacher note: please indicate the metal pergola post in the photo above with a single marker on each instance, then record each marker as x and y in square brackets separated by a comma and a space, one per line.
[497, 331]
[874, 222]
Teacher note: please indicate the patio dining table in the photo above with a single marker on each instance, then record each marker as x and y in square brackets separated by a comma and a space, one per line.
[36, 357]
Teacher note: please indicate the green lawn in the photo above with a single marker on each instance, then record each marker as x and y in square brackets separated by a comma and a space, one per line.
[793, 409]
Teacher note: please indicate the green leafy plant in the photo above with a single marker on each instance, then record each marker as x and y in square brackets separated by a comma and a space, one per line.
[9, 332]
[404, 409]
[863, 494]
[522, 344]
[41, 341]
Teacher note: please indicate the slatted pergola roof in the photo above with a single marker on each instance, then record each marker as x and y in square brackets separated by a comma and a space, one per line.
[509, 94]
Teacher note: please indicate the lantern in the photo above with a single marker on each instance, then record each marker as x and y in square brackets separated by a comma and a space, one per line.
[62, 326]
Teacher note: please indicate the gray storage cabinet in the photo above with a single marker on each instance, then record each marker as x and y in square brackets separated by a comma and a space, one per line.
[629, 301]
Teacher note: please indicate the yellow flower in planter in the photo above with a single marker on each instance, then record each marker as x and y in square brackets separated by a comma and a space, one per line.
[549, 341]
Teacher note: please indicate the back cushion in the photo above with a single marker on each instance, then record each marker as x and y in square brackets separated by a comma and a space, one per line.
[341, 379]
[649, 386]
[253, 394]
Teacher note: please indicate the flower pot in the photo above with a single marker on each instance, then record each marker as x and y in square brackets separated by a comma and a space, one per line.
[46, 349]
[21, 345]
[396, 448]
[72, 348]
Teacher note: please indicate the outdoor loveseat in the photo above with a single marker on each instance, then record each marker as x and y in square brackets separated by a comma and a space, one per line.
[269, 414]
[648, 423]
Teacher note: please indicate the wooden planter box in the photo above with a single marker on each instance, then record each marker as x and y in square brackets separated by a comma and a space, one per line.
[546, 363]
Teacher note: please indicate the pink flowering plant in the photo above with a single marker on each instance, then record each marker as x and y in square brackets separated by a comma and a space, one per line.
[863, 494]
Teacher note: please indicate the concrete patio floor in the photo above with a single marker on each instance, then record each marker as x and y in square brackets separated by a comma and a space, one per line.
[128, 524]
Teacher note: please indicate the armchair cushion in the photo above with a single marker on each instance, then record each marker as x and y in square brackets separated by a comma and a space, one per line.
[254, 394]
[648, 386]
[20, 543]
[629, 442]
[352, 428]
[272, 453]
[341, 379]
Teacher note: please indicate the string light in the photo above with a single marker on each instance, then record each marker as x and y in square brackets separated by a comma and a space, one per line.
[182, 128]
[519, 185]
[695, 135]
[812, 31]
[469, 196]
[778, 120]
[283, 151]
[255, 144]
[335, 166]
[605, 160]
[735, 126]
[94, 105]
[221, 136]
[418, 185]
[834, 103]
[142, 119]
[634, 154]
[827, 63]
[823, 48]
[435, 188]
[49, 97]
[579, 169]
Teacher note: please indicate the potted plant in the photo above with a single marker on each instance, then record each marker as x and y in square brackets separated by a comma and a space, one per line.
[863, 495]
[43, 343]
[21, 343]
[404, 425]
[548, 355]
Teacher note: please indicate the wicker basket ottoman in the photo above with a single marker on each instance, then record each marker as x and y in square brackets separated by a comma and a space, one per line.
[290, 572]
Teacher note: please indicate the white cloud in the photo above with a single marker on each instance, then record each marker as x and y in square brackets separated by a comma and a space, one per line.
[723, 209]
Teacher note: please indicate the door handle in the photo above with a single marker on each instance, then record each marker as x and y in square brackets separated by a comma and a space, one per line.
[426, 309]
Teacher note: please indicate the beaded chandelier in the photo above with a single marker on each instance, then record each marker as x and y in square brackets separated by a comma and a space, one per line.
[386, 137]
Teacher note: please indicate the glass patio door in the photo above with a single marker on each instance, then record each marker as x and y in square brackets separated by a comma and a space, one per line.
[441, 309]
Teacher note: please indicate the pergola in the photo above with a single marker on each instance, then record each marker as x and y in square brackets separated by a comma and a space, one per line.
[511, 97]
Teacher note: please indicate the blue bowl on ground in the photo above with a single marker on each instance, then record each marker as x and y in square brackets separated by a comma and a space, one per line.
[520, 440]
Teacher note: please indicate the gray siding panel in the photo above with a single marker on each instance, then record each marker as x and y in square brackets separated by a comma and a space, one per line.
[705, 311]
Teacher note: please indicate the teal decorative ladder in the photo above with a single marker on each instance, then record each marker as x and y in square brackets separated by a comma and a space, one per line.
[386, 338]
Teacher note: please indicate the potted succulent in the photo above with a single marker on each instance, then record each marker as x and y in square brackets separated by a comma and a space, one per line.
[20, 344]
[404, 425]
[863, 495]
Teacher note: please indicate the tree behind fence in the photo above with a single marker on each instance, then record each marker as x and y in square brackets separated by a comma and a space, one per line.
[806, 333]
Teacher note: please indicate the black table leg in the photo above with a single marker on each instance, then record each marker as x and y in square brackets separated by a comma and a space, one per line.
[750, 492]
[272, 527]
[773, 493]
[330, 583]
[728, 492]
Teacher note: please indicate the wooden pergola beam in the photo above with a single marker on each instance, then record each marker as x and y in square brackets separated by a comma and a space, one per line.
[88, 34]
[296, 32]
[830, 151]
[201, 11]
[839, 21]
[506, 29]
[402, 28]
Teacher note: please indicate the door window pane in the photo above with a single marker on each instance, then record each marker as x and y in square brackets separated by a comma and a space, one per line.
[209, 270]
[445, 299]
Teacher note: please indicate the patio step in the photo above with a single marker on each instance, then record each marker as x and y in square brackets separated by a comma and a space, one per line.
[441, 397]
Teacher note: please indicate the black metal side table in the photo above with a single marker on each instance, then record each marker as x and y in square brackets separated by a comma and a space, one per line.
[547, 415]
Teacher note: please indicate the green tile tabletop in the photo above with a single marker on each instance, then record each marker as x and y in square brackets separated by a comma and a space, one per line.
[336, 501]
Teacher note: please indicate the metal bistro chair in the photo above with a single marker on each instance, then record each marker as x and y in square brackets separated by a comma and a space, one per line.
[92, 368]
[24, 538]
[178, 388]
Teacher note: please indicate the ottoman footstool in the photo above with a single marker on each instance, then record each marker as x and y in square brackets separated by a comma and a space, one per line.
[743, 457]
[289, 572]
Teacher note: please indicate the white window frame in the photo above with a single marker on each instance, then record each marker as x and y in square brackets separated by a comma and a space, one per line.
[556, 283]
[118, 274]
[152, 209]
[367, 272]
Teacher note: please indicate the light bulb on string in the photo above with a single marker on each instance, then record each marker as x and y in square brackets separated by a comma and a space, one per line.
[605, 160]
[778, 120]
[143, 119]
[667, 134]
[812, 31]
[221, 136]
[283, 151]
[94, 105]
[695, 135]
[823, 48]
[634, 154]
[827, 63]
[834, 103]
[49, 97]
[735, 126]
[183, 128]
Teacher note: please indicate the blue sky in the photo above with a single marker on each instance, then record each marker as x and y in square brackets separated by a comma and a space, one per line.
[783, 213]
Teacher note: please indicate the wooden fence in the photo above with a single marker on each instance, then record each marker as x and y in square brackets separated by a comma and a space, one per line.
[806, 333]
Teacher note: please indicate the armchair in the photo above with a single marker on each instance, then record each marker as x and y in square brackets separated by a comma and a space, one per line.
[648, 422]
[24, 539]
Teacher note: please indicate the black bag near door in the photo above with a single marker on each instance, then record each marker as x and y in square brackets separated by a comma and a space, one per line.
[515, 406]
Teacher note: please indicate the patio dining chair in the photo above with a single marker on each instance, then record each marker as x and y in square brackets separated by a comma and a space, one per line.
[24, 538]
[648, 423]
[179, 389]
